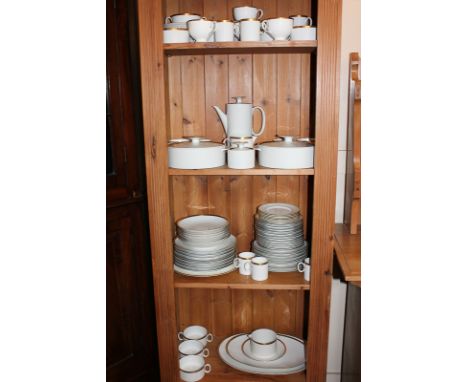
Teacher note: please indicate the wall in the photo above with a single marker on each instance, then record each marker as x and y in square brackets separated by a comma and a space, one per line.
[350, 42]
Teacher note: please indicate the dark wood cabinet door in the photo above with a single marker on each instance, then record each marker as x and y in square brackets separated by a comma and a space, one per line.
[131, 347]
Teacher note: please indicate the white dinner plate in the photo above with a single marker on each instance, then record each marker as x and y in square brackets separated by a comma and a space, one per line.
[293, 360]
[190, 272]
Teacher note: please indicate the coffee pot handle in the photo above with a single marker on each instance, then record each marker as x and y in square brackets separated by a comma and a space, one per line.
[263, 122]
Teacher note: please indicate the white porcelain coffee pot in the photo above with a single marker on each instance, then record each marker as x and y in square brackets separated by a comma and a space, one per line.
[237, 121]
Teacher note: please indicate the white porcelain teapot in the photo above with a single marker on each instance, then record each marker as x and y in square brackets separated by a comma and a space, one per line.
[237, 121]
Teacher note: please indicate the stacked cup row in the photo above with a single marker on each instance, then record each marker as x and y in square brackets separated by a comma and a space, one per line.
[204, 246]
[279, 236]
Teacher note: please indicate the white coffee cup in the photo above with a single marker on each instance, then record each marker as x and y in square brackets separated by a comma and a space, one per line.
[250, 30]
[241, 157]
[263, 343]
[192, 347]
[244, 257]
[201, 30]
[197, 333]
[279, 28]
[224, 30]
[175, 35]
[193, 368]
[304, 267]
[247, 13]
[181, 18]
[258, 268]
[304, 33]
[300, 20]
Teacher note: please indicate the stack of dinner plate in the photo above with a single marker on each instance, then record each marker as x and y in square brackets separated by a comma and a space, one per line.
[204, 246]
[279, 236]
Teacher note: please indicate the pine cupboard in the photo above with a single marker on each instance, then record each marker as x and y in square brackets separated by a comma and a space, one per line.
[297, 83]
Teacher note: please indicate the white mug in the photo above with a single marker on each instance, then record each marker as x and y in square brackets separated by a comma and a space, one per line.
[175, 35]
[193, 368]
[247, 13]
[250, 30]
[193, 347]
[258, 267]
[301, 20]
[304, 33]
[279, 28]
[244, 257]
[241, 157]
[224, 30]
[201, 30]
[182, 18]
[304, 266]
[263, 343]
[197, 333]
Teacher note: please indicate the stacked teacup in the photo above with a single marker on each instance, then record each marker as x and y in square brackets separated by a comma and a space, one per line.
[192, 353]
[176, 29]
[248, 21]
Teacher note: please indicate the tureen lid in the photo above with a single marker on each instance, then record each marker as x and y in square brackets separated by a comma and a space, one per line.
[288, 141]
[193, 142]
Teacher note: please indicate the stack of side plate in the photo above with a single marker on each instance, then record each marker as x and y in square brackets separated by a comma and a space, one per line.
[204, 246]
[279, 236]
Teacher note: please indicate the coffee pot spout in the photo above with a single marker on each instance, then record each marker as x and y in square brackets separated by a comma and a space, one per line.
[223, 118]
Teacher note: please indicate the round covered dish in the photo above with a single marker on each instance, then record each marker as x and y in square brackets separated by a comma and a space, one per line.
[195, 153]
[286, 153]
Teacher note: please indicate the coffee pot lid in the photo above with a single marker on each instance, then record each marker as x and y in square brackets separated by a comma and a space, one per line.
[238, 100]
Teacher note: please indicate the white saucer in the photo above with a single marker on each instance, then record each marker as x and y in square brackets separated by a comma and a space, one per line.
[293, 361]
[245, 347]
[217, 272]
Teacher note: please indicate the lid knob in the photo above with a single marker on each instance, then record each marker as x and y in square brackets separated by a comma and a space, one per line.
[238, 98]
[288, 138]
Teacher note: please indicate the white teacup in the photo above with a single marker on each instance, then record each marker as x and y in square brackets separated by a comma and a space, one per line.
[175, 35]
[181, 18]
[197, 333]
[304, 267]
[300, 20]
[305, 32]
[263, 343]
[247, 13]
[244, 258]
[201, 30]
[193, 347]
[224, 30]
[193, 368]
[250, 30]
[258, 267]
[279, 28]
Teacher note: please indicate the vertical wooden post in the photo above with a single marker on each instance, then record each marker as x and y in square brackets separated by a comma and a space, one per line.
[327, 119]
[155, 133]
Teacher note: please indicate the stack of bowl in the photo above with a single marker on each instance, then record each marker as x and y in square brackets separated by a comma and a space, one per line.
[279, 236]
[204, 246]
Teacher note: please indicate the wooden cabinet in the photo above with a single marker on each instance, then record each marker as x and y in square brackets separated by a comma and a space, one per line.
[298, 86]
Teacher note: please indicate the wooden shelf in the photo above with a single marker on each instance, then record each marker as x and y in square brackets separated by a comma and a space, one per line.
[233, 280]
[240, 47]
[258, 170]
[222, 372]
[348, 252]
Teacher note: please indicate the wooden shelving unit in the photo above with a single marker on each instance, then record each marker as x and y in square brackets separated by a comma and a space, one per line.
[297, 84]
[241, 47]
[233, 280]
[348, 252]
[258, 170]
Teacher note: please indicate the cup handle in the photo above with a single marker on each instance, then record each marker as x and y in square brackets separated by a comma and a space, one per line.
[180, 335]
[168, 20]
[299, 266]
[264, 26]
[309, 20]
[236, 30]
[246, 266]
[259, 14]
[236, 262]
[206, 352]
[207, 368]
[209, 337]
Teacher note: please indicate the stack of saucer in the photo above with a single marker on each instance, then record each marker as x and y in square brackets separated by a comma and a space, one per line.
[279, 236]
[204, 246]
[264, 352]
